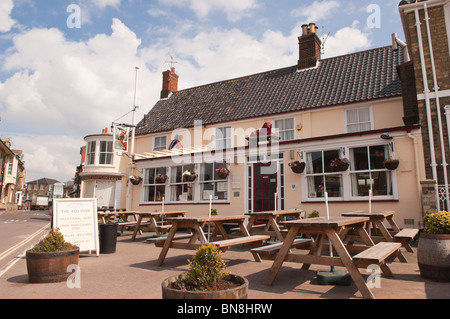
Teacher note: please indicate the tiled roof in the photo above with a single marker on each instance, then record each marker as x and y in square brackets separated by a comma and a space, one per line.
[356, 77]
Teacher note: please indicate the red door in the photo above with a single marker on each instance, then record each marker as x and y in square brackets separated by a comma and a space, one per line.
[264, 187]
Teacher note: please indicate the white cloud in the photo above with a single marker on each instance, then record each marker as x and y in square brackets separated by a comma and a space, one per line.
[316, 11]
[234, 9]
[49, 156]
[6, 22]
[346, 40]
[105, 3]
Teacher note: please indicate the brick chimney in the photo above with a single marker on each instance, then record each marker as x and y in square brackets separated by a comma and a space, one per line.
[170, 83]
[309, 44]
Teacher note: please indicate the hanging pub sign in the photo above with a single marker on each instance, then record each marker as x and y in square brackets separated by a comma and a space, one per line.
[121, 137]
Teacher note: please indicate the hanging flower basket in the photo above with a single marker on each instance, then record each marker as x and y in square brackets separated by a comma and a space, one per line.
[339, 164]
[222, 172]
[189, 176]
[160, 178]
[297, 167]
[391, 164]
[135, 180]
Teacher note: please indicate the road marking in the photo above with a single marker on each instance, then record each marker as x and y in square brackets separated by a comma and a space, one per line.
[23, 242]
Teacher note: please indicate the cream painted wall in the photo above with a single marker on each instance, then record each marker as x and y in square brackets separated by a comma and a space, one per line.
[321, 122]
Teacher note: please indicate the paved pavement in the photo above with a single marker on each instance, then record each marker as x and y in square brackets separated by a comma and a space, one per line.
[131, 273]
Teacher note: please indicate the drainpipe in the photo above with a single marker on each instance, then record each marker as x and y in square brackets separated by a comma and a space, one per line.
[447, 116]
[438, 106]
[426, 92]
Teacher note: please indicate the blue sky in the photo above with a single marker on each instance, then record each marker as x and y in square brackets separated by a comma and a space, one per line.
[59, 84]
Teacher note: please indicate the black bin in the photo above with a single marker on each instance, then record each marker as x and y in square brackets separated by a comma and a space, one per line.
[108, 238]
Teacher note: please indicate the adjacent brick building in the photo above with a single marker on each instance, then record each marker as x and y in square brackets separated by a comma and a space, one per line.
[427, 28]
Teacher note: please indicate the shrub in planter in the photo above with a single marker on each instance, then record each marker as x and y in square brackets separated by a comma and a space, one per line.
[206, 279]
[433, 251]
[49, 259]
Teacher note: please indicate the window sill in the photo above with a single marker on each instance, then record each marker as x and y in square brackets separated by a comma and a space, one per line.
[184, 203]
[392, 200]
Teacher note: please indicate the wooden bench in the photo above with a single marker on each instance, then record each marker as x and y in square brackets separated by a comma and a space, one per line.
[406, 236]
[159, 241]
[227, 243]
[377, 255]
[274, 248]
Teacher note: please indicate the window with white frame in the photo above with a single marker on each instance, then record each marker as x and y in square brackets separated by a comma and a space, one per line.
[10, 165]
[154, 184]
[223, 138]
[320, 175]
[90, 153]
[286, 129]
[160, 143]
[181, 189]
[358, 120]
[368, 171]
[211, 184]
[105, 153]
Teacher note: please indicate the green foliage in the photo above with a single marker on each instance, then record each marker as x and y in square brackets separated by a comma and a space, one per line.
[437, 223]
[54, 241]
[207, 269]
[313, 214]
[214, 212]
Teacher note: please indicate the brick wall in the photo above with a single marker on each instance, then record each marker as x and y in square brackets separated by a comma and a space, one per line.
[439, 40]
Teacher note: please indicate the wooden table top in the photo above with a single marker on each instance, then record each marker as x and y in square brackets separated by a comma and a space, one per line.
[325, 222]
[363, 213]
[207, 219]
[160, 213]
[277, 213]
[117, 213]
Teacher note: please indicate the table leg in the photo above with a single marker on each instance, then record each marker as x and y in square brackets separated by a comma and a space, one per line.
[167, 244]
[137, 227]
[219, 227]
[349, 264]
[281, 255]
[155, 225]
[389, 238]
[272, 222]
[250, 224]
[316, 249]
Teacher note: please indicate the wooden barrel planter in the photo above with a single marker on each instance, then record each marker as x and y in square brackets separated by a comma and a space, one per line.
[50, 267]
[433, 256]
[239, 292]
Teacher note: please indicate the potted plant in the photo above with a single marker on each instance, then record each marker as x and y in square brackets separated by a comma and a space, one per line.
[222, 172]
[189, 176]
[48, 260]
[297, 166]
[160, 178]
[433, 250]
[339, 164]
[135, 180]
[206, 279]
[391, 164]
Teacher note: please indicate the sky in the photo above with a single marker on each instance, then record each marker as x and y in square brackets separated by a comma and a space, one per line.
[67, 68]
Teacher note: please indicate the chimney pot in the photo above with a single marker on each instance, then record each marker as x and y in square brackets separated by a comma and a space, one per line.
[312, 28]
[304, 29]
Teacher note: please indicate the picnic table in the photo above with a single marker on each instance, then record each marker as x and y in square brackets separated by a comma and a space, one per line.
[197, 236]
[379, 231]
[270, 222]
[122, 218]
[152, 221]
[330, 228]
